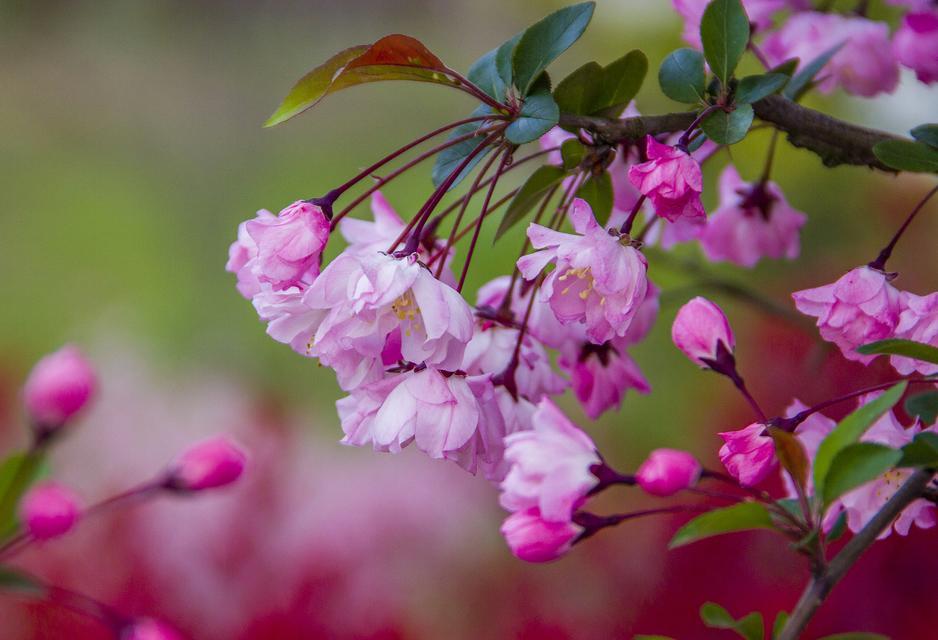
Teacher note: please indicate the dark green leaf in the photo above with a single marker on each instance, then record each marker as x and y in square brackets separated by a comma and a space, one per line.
[724, 32]
[856, 635]
[899, 347]
[728, 128]
[906, 155]
[855, 465]
[449, 159]
[786, 68]
[581, 91]
[749, 626]
[739, 517]
[622, 79]
[801, 81]
[839, 528]
[534, 188]
[597, 191]
[681, 76]
[849, 431]
[791, 454]
[753, 88]
[921, 452]
[543, 41]
[539, 114]
[12, 580]
[923, 405]
[926, 133]
[492, 72]
[572, 151]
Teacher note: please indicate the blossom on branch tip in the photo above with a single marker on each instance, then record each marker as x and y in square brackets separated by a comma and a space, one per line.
[58, 387]
[667, 471]
[748, 454]
[49, 510]
[209, 464]
[699, 328]
[672, 180]
[916, 44]
[289, 246]
[533, 539]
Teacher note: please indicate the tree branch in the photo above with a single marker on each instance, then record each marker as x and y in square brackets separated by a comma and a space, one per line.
[835, 141]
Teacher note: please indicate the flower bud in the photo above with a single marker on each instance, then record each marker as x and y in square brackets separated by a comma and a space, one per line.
[148, 629]
[49, 510]
[667, 471]
[748, 454]
[699, 327]
[533, 539]
[58, 387]
[211, 463]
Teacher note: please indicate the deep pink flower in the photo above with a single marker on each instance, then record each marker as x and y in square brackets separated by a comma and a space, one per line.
[149, 629]
[859, 308]
[918, 321]
[667, 471]
[748, 454]
[209, 464]
[760, 14]
[58, 387]
[241, 257]
[751, 223]
[601, 375]
[916, 45]
[534, 539]
[671, 179]
[550, 465]
[289, 246]
[699, 328]
[49, 510]
[597, 280]
[864, 66]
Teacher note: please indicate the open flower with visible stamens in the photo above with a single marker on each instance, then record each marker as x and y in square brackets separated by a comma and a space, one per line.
[599, 279]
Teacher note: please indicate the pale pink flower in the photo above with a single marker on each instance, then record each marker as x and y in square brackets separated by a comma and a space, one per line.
[550, 465]
[485, 449]
[289, 247]
[865, 65]
[241, 258]
[859, 308]
[49, 510]
[918, 321]
[753, 221]
[60, 385]
[760, 12]
[542, 323]
[645, 317]
[601, 375]
[149, 629]
[533, 539]
[748, 454]
[672, 180]
[916, 45]
[700, 326]
[598, 279]
[209, 464]
[667, 471]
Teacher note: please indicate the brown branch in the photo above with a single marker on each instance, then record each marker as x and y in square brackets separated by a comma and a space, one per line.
[835, 141]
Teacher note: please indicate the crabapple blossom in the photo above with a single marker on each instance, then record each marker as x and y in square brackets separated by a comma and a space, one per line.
[58, 387]
[533, 539]
[699, 328]
[49, 510]
[916, 45]
[289, 246]
[859, 308]
[601, 374]
[241, 258]
[748, 454]
[918, 321]
[208, 464]
[672, 180]
[667, 471]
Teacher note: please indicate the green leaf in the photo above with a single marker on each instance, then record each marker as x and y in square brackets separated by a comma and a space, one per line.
[780, 620]
[849, 431]
[801, 81]
[622, 79]
[753, 88]
[749, 626]
[792, 456]
[926, 133]
[728, 128]
[449, 159]
[856, 465]
[572, 151]
[12, 580]
[923, 405]
[724, 32]
[581, 92]
[921, 452]
[531, 192]
[18, 472]
[597, 191]
[544, 41]
[393, 57]
[681, 76]
[492, 72]
[899, 347]
[906, 155]
[786, 68]
[539, 114]
[856, 635]
[839, 528]
[739, 517]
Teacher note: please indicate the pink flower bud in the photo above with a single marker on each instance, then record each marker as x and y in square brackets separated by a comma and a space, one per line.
[58, 387]
[748, 454]
[698, 328]
[148, 629]
[667, 471]
[208, 464]
[49, 510]
[533, 539]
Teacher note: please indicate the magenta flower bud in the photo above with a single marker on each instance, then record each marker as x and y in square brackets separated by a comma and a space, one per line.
[698, 329]
[667, 471]
[748, 454]
[211, 463]
[533, 539]
[149, 629]
[49, 510]
[58, 387]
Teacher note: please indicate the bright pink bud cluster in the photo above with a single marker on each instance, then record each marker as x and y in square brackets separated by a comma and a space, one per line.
[49, 510]
[59, 386]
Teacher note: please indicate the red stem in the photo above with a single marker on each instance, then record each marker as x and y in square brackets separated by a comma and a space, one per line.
[506, 157]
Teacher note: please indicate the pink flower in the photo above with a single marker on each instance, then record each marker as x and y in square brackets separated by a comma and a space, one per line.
[597, 280]
[209, 464]
[289, 246]
[859, 308]
[550, 466]
[916, 45]
[645, 317]
[760, 14]
[533, 539]
[672, 180]
[241, 257]
[148, 629]
[58, 387]
[752, 222]
[865, 64]
[918, 321]
[699, 328]
[49, 510]
[748, 454]
[543, 325]
[667, 471]
[601, 375]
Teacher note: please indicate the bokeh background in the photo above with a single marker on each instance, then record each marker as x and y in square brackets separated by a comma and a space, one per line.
[131, 147]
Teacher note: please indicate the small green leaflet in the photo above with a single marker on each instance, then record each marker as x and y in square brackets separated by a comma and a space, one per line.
[753, 88]
[531, 192]
[906, 155]
[899, 347]
[728, 128]
[681, 76]
[927, 134]
[539, 114]
[492, 72]
[855, 465]
[924, 406]
[597, 191]
[544, 41]
[750, 626]
[739, 517]
[801, 81]
[449, 159]
[724, 32]
[921, 452]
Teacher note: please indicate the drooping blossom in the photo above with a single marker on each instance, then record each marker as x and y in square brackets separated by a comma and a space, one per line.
[550, 466]
[289, 246]
[753, 221]
[865, 65]
[49, 510]
[241, 258]
[601, 374]
[60, 385]
[148, 629]
[672, 180]
[916, 44]
[918, 322]
[748, 454]
[760, 12]
[667, 471]
[533, 539]
[699, 328]
[859, 308]
[598, 279]
[209, 464]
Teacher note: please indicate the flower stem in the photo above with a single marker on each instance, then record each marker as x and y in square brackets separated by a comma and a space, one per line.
[884, 255]
[684, 140]
[506, 158]
[463, 232]
[627, 225]
[593, 523]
